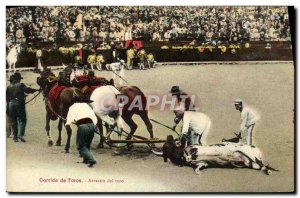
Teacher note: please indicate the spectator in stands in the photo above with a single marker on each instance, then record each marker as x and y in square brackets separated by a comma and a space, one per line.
[19, 35]
[214, 24]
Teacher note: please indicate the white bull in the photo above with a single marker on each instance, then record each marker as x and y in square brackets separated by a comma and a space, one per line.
[224, 155]
[234, 155]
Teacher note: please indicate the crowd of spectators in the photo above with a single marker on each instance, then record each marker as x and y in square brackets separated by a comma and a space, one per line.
[148, 23]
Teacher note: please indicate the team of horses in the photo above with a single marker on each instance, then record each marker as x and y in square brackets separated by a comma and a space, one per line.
[69, 95]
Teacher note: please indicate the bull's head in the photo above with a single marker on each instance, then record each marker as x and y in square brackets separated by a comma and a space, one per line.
[172, 151]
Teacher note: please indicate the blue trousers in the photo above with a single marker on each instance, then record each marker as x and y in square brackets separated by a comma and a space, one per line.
[18, 117]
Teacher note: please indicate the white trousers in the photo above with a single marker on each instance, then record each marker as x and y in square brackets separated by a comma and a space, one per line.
[196, 138]
[246, 135]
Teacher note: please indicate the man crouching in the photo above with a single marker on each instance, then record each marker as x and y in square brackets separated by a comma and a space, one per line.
[85, 119]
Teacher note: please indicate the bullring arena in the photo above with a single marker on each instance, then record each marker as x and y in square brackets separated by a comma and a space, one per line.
[268, 88]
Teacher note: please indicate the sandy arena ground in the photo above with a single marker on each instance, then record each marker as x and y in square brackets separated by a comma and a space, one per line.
[268, 88]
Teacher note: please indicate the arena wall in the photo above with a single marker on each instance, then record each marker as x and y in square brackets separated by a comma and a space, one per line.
[175, 52]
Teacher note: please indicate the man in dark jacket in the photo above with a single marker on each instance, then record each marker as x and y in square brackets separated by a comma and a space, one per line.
[15, 99]
[182, 99]
[64, 77]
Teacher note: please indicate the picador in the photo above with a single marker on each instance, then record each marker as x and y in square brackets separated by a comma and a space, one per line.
[64, 77]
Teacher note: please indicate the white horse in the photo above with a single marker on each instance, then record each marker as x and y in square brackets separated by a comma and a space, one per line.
[107, 108]
[12, 57]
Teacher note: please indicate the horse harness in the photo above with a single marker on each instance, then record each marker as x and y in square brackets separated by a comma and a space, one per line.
[51, 108]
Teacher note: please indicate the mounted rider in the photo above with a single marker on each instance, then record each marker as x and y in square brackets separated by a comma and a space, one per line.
[64, 77]
[89, 80]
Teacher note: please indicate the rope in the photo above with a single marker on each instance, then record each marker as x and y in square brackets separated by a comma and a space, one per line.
[33, 97]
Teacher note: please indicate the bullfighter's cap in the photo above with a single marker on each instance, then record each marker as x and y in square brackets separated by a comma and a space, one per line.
[175, 90]
[238, 101]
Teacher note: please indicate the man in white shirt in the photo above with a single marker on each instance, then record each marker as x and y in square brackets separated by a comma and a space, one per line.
[248, 120]
[195, 126]
[83, 116]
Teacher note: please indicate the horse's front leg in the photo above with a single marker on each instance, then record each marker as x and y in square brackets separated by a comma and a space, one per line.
[100, 127]
[127, 117]
[145, 118]
[47, 127]
[69, 133]
[60, 123]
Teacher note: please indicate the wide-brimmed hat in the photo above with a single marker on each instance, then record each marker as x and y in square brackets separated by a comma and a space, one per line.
[175, 90]
[17, 76]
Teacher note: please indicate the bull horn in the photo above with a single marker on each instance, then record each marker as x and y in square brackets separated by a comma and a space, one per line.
[157, 151]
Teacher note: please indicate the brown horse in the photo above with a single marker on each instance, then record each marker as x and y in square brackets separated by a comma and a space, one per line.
[59, 108]
[131, 93]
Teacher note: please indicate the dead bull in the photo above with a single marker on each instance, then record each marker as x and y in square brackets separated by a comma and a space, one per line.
[223, 155]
